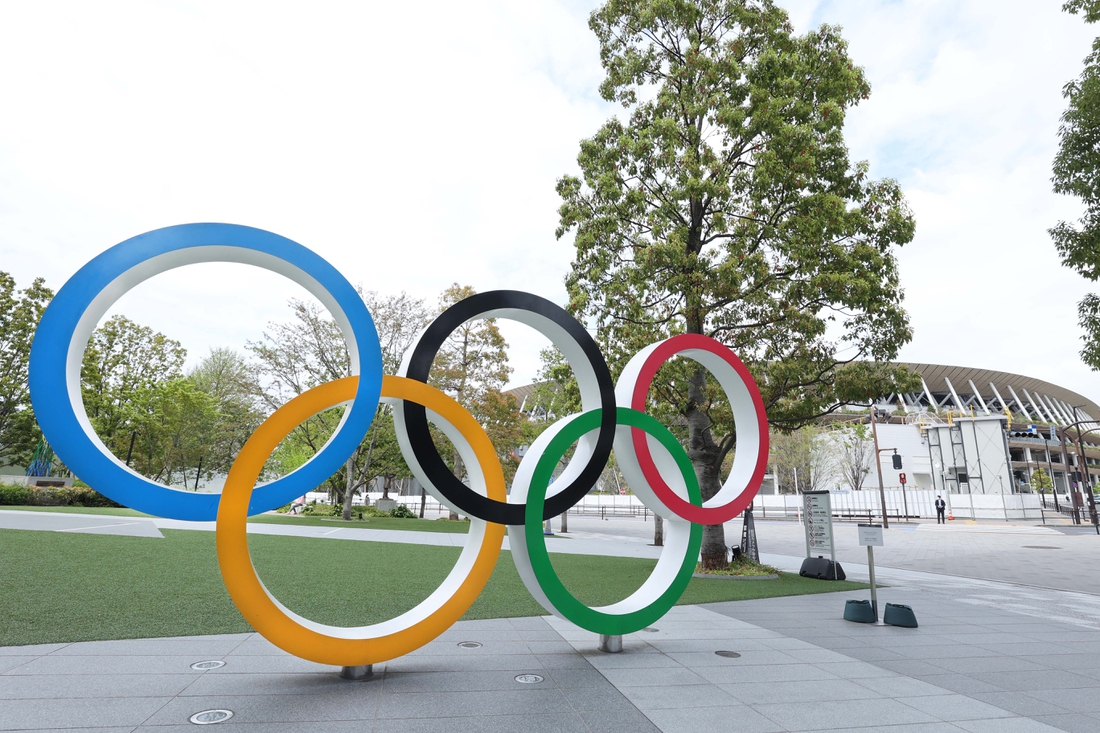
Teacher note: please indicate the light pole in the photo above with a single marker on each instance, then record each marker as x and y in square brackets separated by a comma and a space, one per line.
[1082, 463]
[878, 466]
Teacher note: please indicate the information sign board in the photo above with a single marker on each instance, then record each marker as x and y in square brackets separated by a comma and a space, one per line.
[819, 524]
[870, 535]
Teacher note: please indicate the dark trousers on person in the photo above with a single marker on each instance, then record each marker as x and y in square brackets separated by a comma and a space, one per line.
[939, 517]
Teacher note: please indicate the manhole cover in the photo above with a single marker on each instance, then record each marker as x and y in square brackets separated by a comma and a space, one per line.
[470, 644]
[212, 664]
[650, 629]
[208, 717]
[529, 679]
[1041, 547]
[724, 653]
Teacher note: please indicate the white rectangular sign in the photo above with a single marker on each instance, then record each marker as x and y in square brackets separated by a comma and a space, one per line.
[819, 523]
[870, 535]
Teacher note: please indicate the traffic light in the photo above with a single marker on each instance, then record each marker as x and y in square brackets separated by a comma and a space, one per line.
[901, 478]
[897, 462]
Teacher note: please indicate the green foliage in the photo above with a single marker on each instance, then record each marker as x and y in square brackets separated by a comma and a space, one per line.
[78, 496]
[724, 203]
[14, 495]
[310, 350]
[1041, 480]
[402, 512]
[320, 510]
[20, 311]
[1076, 172]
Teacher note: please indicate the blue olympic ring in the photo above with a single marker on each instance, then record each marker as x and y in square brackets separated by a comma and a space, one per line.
[67, 325]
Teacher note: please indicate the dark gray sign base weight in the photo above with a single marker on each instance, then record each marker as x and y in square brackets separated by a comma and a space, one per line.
[821, 567]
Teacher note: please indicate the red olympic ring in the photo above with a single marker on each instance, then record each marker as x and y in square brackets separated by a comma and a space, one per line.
[703, 349]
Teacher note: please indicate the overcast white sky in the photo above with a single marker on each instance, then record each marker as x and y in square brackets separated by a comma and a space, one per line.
[416, 146]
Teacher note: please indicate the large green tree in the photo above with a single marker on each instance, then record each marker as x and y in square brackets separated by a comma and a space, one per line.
[1077, 173]
[724, 203]
[20, 311]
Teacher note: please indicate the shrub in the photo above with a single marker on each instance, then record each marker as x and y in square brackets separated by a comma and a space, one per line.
[320, 510]
[14, 495]
[402, 512]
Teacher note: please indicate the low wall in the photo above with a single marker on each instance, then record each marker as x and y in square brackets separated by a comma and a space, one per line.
[29, 480]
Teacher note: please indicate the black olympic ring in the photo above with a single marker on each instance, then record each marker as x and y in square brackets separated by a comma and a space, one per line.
[512, 304]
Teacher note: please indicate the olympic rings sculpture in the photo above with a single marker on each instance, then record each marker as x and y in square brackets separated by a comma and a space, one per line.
[613, 417]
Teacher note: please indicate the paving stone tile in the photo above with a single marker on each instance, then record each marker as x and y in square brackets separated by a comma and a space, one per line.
[725, 719]
[466, 681]
[13, 663]
[602, 661]
[1072, 722]
[971, 665]
[897, 687]
[282, 663]
[30, 650]
[782, 673]
[557, 723]
[245, 685]
[959, 683]
[856, 670]
[1042, 679]
[89, 665]
[955, 707]
[198, 650]
[1006, 725]
[618, 721]
[646, 677]
[660, 697]
[752, 693]
[543, 701]
[1021, 704]
[95, 687]
[913, 667]
[801, 716]
[85, 713]
[272, 708]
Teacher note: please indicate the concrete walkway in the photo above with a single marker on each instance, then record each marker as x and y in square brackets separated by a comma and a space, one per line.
[988, 656]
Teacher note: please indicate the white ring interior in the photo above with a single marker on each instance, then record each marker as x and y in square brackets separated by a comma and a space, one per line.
[153, 266]
[583, 370]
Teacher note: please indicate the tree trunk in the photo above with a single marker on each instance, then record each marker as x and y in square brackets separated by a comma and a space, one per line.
[423, 500]
[658, 531]
[453, 516]
[706, 459]
[349, 488]
[565, 521]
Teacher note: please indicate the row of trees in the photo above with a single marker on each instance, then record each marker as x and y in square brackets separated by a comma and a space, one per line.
[181, 427]
[816, 457]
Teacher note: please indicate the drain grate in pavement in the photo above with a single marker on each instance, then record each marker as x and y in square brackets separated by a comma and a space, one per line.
[727, 654]
[209, 717]
[650, 629]
[470, 644]
[1040, 547]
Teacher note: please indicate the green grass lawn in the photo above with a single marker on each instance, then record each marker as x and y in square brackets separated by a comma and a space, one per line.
[413, 525]
[111, 511]
[59, 587]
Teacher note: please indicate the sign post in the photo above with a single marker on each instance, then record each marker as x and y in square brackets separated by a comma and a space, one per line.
[818, 509]
[870, 536]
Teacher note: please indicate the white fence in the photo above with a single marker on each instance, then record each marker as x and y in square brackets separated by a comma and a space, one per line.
[915, 504]
[855, 505]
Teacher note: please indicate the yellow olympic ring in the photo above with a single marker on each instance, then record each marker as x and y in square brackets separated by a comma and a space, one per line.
[337, 645]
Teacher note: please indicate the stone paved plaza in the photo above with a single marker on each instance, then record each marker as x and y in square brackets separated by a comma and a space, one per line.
[989, 655]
